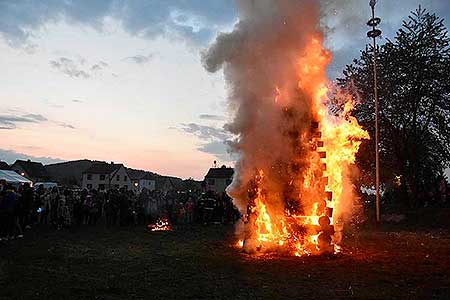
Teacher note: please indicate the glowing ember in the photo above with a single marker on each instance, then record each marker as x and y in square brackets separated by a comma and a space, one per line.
[292, 182]
[161, 225]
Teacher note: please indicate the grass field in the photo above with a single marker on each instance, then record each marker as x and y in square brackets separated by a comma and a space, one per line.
[201, 263]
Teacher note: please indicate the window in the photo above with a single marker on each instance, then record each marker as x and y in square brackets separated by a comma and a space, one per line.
[116, 186]
[101, 187]
[118, 177]
[89, 186]
[125, 178]
[125, 187]
[89, 176]
[102, 177]
[211, 181]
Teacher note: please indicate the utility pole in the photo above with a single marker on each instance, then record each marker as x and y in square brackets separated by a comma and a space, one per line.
[374, 33]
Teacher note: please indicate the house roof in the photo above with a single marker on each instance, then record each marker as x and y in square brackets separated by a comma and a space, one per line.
[102, 168]
[148, 176]
[4, 166]
[222, 172]
[33, 169]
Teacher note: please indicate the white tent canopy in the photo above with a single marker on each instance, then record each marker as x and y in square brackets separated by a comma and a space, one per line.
[13, 177]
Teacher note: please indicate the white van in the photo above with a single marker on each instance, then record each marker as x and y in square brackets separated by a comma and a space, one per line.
[47, 185]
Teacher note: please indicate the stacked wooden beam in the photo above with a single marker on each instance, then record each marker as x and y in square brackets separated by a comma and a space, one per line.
[326, 229]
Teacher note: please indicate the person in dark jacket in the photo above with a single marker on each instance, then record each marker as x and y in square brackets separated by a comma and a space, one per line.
[8, 206]
[124, 208]
[27, 199]
[3, 212]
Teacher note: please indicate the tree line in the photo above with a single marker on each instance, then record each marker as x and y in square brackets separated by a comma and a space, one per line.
[414, 102]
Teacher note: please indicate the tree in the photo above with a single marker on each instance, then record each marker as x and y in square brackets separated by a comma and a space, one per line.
[414, 99]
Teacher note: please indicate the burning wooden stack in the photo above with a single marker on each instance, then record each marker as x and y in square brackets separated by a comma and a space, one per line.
[326, 229]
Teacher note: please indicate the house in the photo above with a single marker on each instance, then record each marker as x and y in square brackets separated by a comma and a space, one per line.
[4, 166]
[103, 176]
[147, 181]
[31, 170]
[167, 184]
[218, 179]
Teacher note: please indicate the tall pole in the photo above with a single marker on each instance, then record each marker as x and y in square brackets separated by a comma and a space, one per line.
[377, 150]
[374, 33]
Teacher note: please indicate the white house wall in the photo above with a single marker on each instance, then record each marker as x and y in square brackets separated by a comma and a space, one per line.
[148, 184]
[219, 186]
[121, 179]
[115, 180]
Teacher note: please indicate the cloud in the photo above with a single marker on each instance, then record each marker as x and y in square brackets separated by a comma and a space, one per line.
[140, 59]
[195, 20]
[99, 66]
[75, 69]
[219, 149]
[69, 67]
[211, 117]
[11, 121]
[30, 48]
[52, 104]
[10, 156]
[35, 117]
[65, 125]
[206, 132]
[215, 141]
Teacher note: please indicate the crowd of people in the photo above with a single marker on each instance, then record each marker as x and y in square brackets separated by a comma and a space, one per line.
[24, 207]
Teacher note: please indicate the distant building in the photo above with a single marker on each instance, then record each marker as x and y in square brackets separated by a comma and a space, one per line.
[31, 170]
[147, 181]
[4, 166]
[218, 179]
[104, 176]
[166, 184]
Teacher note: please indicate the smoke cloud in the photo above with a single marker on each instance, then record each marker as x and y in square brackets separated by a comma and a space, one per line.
[260, 60]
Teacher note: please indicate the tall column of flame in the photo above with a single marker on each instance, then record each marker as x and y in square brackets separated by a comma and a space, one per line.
[292, 178]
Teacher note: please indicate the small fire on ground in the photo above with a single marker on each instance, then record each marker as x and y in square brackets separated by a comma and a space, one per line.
[161, 225]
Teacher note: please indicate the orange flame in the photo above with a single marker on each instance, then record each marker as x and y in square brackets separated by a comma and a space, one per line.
[161, 225]
[326, 195]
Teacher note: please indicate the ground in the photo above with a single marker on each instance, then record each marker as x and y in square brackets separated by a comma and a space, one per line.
[202, 263]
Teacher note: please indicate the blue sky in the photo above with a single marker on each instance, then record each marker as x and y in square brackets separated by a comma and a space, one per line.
[123, 80]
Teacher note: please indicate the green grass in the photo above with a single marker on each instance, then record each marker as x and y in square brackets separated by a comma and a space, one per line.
[201, 263]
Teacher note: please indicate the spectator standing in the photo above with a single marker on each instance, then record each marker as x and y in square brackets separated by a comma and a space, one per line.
[64, 219]
[110, 211]
[180, 213]
[77, 209]
[27, 203]
[46, 208]
[9, 203]
[124, 208]
[36, 211]
[54, 201]
[189, 208]
[3, 211]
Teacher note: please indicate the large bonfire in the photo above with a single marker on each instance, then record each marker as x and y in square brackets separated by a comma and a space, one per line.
[292, 179]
